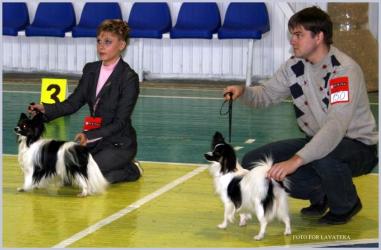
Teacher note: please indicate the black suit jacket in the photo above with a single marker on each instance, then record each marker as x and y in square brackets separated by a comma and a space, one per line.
[116, 103]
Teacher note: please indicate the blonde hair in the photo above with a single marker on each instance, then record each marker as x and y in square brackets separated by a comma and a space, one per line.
[116, 26]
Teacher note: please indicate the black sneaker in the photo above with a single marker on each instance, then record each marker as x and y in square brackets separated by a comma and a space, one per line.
[139, 167]
[337, 219]
[316, 209]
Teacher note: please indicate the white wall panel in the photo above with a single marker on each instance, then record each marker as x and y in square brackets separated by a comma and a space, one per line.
[162, 58]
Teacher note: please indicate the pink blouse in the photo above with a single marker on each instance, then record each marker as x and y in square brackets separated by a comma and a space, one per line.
[104, 75]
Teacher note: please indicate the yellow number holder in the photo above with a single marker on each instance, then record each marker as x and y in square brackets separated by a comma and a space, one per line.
[53, 90]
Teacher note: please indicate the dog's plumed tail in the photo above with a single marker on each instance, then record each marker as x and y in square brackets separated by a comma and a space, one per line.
[272, 193]
[97, 183]
[265, 164]
[257, 183]
[79, 166]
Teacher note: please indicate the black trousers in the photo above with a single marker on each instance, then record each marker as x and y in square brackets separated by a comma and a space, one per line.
[330, 176]
[116, 163]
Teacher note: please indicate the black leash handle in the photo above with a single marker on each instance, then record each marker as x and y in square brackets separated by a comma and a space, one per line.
[229, 112]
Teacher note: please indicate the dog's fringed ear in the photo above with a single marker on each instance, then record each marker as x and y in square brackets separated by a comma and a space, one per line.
[38, 121]
[38, 117]
[218, 136]
[229, 163]
[217, 139]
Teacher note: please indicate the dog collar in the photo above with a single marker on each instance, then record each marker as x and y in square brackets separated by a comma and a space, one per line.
[219, 144]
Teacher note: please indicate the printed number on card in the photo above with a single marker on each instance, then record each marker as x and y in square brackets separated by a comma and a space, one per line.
[339, 88]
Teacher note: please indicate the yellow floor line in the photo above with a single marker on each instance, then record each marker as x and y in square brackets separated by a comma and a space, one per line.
[128, 209]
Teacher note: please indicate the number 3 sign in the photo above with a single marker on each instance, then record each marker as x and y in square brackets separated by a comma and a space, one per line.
[53, 90]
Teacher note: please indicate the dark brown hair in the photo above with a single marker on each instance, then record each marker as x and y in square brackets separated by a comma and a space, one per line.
[314, 20]
[117, 27]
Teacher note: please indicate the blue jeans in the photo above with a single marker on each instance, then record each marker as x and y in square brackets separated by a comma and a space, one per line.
[330, 176]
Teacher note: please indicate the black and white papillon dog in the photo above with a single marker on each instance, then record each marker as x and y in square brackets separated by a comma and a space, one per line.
[246, 191]
[46, 161]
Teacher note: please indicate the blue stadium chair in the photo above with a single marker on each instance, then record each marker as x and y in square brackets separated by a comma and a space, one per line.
[245, 21]
[52, 19]
[197, 20]
[149, 20]
[92, 15]
[15, 18]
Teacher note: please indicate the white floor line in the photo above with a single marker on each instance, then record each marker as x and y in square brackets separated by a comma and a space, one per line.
[154, 96]
[154, 162]
[183, 97]
[128, 209]
[250, 141]
[143, 96]
[141, 87]
[22, 91]
[171, 163]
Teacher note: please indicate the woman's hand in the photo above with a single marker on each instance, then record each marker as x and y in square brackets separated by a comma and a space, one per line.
[280, 170]
[236, 91]
[34, 108]
[81, 138]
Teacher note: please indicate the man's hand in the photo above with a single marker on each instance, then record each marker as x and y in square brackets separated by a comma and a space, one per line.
[280, 170]
[81, 138]
[236, 90]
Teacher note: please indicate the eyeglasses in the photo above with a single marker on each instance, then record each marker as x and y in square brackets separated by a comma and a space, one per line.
[105, 43]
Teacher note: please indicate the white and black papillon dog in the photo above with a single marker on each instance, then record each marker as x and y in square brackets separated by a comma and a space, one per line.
[246, 191]
[46, 161]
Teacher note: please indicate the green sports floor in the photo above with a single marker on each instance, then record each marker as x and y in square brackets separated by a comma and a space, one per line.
[173, 204]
